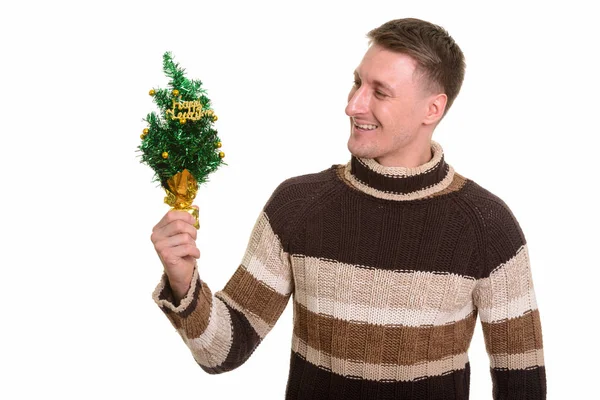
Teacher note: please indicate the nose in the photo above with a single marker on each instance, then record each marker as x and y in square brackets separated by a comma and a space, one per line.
[358, 102]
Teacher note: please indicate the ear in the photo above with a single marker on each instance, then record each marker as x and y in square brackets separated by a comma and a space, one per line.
[436, 106]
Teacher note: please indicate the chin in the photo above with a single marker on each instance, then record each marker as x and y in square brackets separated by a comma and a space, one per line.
[360, 151]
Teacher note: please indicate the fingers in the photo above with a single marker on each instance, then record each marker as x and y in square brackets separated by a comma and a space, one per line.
[184, 251]
[179, 260]
[175, 250]
[175, 215]
[177, 227]
[181, 244]
[172, 256]
[174, 241]
[177, 224]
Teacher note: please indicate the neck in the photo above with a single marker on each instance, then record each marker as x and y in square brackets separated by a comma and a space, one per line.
[418, 153]
[401, 183]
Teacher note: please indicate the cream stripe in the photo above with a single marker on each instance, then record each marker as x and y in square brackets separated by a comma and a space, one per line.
[508, 291]
[384, 315]
[260, 326]
[513, 309]
[534, 358]
[410, 298]
[402, 172]
[279, 283]
[418, 194]
[212, 347]
[265, 259]
[508, 281]
[376, 372]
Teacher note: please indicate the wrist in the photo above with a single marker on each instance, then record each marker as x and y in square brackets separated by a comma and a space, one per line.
[179, 291]
[180, 287]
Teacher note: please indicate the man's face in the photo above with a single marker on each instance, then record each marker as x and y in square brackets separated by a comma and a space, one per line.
[387, 106]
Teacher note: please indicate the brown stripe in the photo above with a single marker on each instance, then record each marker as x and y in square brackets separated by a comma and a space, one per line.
[457, 183]
[514, 336]
[243, 343]
[196, 318]
[502, 232]
[527, 384]
[433, 235]
[295, 197]
[254, 296]
[378, 372]
[376, 344]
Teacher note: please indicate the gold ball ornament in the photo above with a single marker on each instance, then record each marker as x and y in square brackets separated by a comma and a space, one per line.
[175, 92]
[215, 118]
[218, 145]
[165, 155]
[221, 154]
[144, 133]
[151, 92]
[182, 121]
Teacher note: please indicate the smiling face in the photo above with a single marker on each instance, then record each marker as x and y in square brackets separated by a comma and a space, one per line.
[392, 115]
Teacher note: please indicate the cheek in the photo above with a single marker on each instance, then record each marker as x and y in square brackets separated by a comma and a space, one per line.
[385, 116]
[394, 116]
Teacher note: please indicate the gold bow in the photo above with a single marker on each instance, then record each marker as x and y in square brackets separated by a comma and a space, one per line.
[181, 193]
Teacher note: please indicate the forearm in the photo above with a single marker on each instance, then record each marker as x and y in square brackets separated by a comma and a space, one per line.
[219, 337]
[512, 330]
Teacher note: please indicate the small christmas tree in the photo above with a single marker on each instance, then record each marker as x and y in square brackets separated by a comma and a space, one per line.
[180, 143]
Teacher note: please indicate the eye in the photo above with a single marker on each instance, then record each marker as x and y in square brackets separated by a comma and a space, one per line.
[356, 83]
[380, 94]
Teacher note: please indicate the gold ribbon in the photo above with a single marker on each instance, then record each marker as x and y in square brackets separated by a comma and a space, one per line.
[181, 191]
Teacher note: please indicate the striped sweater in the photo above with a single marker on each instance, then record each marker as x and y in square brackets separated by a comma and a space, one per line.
[388, 268]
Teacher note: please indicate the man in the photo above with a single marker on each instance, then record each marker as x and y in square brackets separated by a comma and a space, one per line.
[390, 258]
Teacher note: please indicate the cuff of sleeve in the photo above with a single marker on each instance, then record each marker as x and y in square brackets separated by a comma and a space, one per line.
[163, 294]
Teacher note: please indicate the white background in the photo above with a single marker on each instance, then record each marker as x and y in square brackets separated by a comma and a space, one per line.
[78, 267]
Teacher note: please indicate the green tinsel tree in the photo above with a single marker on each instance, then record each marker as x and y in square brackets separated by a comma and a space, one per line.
[181, 136]
[180, 140]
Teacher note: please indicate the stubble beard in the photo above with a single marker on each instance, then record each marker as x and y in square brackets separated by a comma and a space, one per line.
[362, 150]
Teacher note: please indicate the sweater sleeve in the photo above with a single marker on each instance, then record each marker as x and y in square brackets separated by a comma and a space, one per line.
[506, 302]
[222, 330]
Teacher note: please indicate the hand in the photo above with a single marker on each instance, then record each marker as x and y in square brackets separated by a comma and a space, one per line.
[174, 239]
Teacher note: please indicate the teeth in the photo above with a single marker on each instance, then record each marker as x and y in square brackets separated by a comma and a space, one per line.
[366, 127]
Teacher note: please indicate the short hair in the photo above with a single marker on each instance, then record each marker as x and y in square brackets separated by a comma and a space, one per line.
[439, 59]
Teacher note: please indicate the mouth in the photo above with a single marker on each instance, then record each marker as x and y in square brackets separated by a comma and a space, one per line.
[364, 127]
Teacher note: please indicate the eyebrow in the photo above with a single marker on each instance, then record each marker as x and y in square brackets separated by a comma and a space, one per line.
[383, 85]
[377, 83]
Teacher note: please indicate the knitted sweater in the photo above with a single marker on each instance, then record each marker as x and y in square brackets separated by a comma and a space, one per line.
[388, 268]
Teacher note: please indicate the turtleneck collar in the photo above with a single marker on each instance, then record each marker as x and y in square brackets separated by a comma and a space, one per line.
[400, 183]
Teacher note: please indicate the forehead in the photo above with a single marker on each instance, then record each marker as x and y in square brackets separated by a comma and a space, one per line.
[386, 66]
